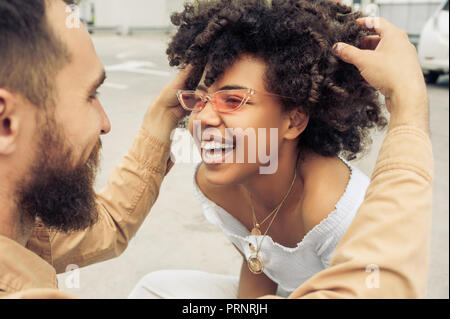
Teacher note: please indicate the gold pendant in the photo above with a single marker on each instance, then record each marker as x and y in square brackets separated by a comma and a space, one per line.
[255, 264]
[256, 232]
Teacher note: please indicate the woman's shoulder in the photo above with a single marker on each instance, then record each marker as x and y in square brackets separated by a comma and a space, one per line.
[325, 182]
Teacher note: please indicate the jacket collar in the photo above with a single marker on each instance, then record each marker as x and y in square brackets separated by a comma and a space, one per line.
[21, 269]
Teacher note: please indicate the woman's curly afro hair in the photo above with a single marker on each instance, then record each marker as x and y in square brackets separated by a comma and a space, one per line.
[295, 38]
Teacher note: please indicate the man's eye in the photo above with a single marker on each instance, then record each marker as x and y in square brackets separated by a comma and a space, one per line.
[94, 96]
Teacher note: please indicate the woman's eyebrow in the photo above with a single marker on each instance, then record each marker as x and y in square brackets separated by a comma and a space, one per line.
[233, 87]
[226, 87]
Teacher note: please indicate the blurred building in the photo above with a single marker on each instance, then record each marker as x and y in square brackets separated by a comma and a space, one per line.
[125, 16]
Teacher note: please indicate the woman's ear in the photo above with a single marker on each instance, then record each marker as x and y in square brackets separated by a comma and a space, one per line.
[297, 120]
[8, 123]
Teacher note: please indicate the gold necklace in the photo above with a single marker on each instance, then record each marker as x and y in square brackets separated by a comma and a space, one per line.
[256, 230]
[255, 263]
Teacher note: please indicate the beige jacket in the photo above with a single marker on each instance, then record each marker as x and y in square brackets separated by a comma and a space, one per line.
[384, 253]
[122, 207]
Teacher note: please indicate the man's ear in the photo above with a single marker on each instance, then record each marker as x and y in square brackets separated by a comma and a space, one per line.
[297, 120]
[9, 122]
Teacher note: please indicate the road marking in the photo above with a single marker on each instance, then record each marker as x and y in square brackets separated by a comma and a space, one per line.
[130, 65]
[140, 67]
[126, 54]
[152, 72]
[115, 86]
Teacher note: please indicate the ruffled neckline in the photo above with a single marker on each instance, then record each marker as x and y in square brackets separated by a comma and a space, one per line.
[233, 227]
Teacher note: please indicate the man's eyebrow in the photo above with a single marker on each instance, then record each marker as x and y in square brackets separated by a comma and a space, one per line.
[98, 82]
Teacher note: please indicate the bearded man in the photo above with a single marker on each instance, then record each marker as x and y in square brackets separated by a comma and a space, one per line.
[50, 126]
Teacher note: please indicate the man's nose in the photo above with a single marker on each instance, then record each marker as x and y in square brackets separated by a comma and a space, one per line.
[106, 124]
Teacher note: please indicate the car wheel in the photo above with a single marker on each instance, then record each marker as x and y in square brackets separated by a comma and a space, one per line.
[432, 77]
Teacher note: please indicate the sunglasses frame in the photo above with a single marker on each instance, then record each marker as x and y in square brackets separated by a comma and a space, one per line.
[210, 98]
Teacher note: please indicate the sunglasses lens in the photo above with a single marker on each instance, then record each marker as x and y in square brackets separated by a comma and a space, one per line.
[191, 101]
[228, 101]
[224, 101]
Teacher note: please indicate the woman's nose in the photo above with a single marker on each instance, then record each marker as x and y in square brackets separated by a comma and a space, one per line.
[208, 115]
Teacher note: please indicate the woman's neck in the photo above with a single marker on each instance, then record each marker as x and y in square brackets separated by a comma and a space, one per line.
[268, 190]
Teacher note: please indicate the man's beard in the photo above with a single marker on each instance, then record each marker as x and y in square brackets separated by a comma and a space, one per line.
[60, 195]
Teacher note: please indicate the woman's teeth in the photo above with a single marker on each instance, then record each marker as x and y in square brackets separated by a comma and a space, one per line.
[215, 146]
[214, 152]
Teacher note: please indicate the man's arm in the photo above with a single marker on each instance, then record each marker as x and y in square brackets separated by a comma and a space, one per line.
[385, 251]
[132, 189]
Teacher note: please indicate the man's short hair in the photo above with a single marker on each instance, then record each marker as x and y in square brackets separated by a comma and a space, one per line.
[30, 51]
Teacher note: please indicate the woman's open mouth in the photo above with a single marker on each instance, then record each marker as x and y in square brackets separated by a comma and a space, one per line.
[215, 152]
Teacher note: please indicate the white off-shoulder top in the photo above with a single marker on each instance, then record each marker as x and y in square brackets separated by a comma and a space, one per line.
[290, 267]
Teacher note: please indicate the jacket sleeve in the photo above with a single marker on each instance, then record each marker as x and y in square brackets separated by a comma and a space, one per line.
[385, 251]
[38, 293]
[132, 189]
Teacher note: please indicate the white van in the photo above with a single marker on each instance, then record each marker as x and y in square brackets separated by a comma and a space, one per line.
[433, 45]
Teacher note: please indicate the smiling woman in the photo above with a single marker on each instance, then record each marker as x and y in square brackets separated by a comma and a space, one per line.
[268, 68]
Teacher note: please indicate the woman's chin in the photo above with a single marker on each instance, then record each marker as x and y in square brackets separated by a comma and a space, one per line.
[218, 174]
[227, 173]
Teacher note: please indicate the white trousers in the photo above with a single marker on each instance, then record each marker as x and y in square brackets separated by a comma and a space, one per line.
[189, 284]
[185, 284]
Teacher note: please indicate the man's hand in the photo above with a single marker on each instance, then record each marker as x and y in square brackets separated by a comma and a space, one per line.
[271, 297]
[165, 112]
[388, 62]
[41, 293]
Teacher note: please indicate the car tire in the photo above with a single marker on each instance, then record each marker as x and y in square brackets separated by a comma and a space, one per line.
[432, 77]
